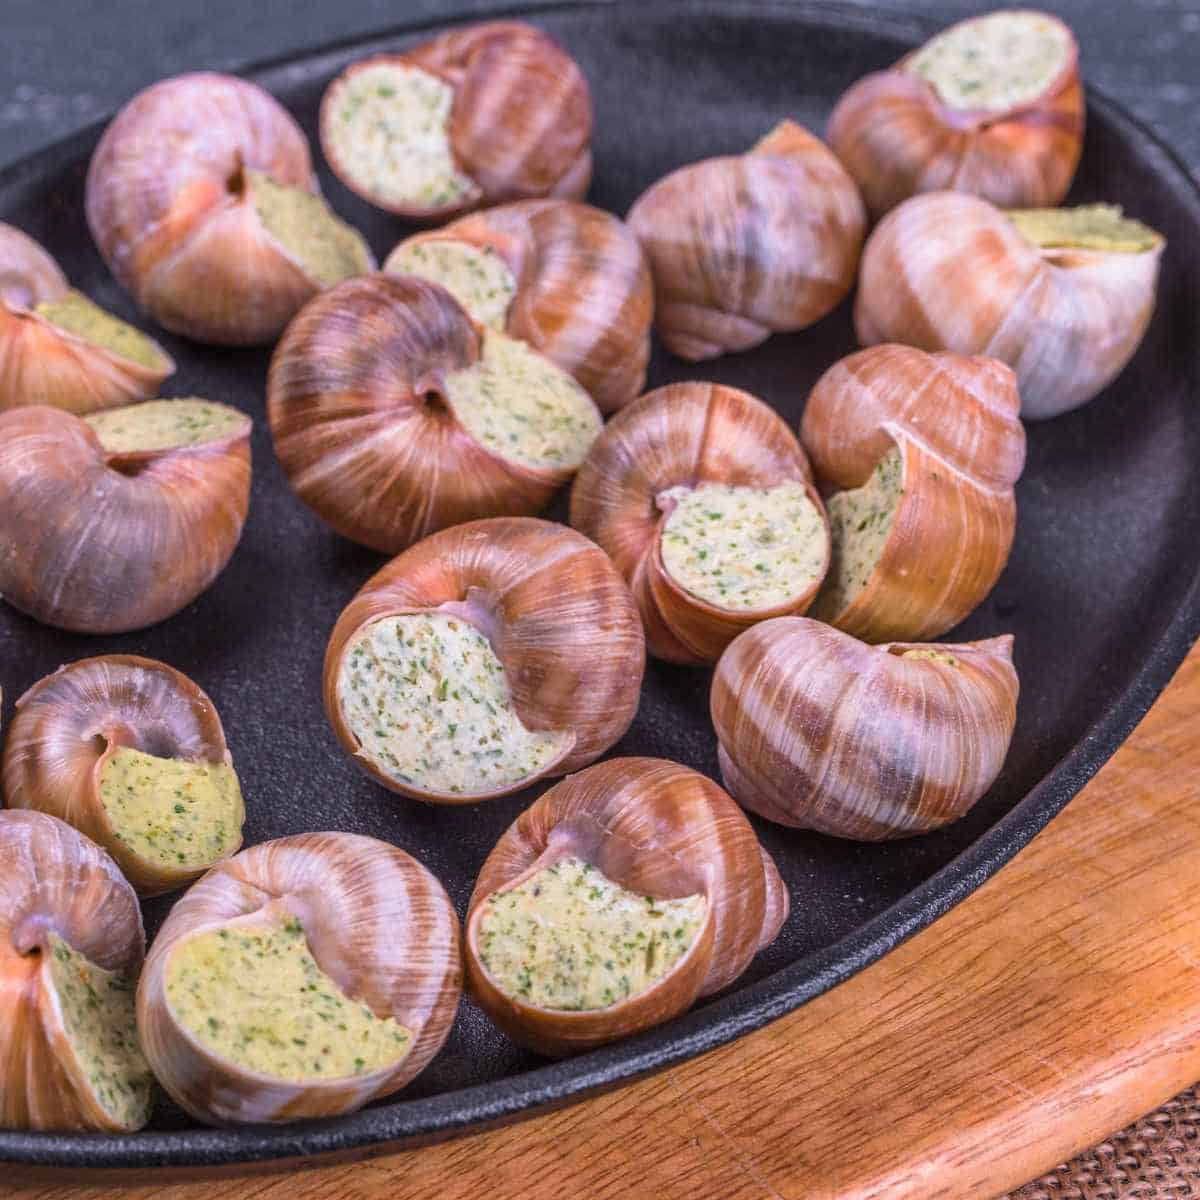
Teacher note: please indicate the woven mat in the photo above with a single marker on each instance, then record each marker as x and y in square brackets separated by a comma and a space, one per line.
[1157, 1158]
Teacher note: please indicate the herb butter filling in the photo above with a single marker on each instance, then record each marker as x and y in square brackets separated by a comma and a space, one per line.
[429, 701]
[994, 62]
[255, 995]
[170, 812]
[479, 279]
[164, 425]
[859, 522]
[744, 548]
[570, 938]
[97, 1008]
[933, 654]
[1088, 227]
[326, 247]
[75, 313]
[390, 132]
[520, 405]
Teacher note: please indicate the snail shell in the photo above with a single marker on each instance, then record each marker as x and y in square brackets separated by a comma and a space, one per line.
[67, 920]
[44, 360]
[377, 924]
[820, 731]
[528, 620]
[653, 828]
[394, 415]
[682, 443]
[1014, 136]
[749, 245]
[948, 271]
[108, 540]
[71, 725]
[953, 423]
[202, 201]
[572, 279]
[477, 116]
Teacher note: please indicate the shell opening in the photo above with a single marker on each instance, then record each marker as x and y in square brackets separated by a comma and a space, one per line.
[994, 62]
[173, 814]
[571, 939]
[477, 277]
[429, 703]
[1101, 227]
[387, 126]
[860, 522]
[522, 407]
[326, 248]
[74, 313]
[97, 1008]
[253, 994]
[744, 548]
[164, 425]
[928, 653]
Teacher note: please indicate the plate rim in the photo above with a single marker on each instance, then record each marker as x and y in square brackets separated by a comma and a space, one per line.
[401, 1122]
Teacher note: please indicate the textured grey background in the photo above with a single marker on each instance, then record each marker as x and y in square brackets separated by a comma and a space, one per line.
[63, 63]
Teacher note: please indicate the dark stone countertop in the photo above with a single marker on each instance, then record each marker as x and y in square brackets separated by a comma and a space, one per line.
[64, 63]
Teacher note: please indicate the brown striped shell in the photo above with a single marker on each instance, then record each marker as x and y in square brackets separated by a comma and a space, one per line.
[584, 295]
[656, 828]
[53, 880]
[105, 543]
[955, 421]
[520, 123]
[376, 921]
[361, 424]
[898, 138]
[69, 724]
[41, 363]
[681, 434]
[948, 271]
[820, 731]
[556, 612]
[744, 246]
[169, 209]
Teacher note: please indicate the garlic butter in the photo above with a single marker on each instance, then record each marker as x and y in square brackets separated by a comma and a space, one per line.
[428, 700]
[254, 994]
[995, 62]
[478, 278]
[1102, 227]
[326, 247]
[933, 654]
[97, 1008]
[744, 548]
[521, 406]
[75, 313]
[570, 938]
[859, 522]
[170, 812]
[164, 425]
[390, 127]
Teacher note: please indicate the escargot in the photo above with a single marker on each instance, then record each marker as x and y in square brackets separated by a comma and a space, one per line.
[301, 978]
[818, 730]
[1063, 296]
[614, 901]
[202, 201]
[567, 278]
[132, 753]
[484, 658]
[704, 500]
[117, 520]
[924, 451]
[992, 106]
[479, 115]
[59, 348]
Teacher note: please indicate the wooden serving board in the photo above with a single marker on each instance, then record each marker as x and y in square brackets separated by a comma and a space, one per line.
[1056, 1004]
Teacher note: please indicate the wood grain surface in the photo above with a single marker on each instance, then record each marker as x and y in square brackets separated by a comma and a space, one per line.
[1056, 1004]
